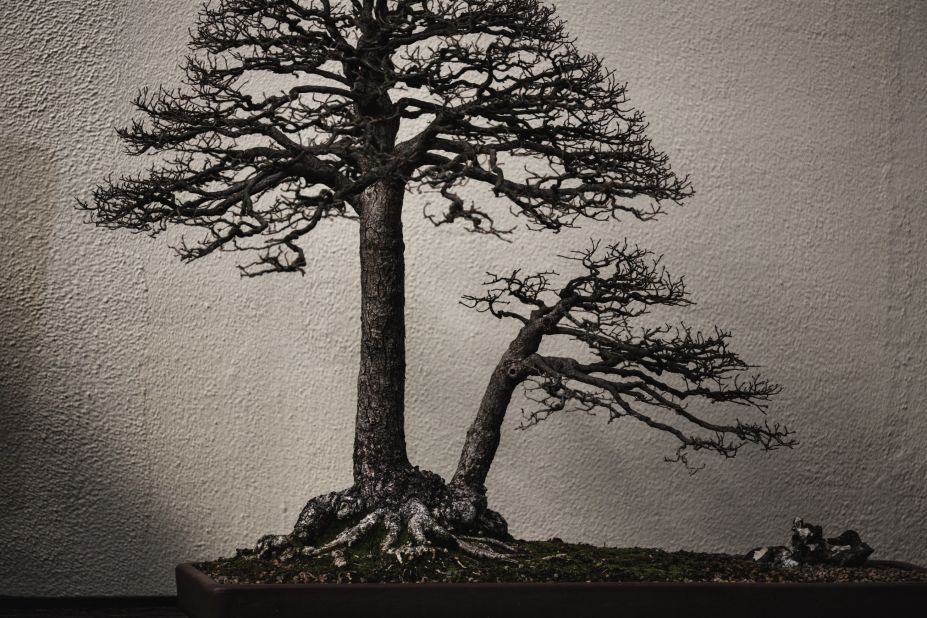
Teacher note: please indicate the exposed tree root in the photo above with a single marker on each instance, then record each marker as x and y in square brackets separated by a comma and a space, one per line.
[413, 516]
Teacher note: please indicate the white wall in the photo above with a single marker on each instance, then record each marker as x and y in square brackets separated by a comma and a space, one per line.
[154, 413]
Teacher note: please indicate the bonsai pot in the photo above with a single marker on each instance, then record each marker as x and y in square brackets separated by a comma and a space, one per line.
[201, 597]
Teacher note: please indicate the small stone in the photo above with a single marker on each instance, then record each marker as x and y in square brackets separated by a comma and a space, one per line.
[848, 549]
[776, 554]
[339, 560]
[810, 547]
[808, 544]
[788, 562]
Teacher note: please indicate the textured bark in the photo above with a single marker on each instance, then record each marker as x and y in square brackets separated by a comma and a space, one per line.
[410, 515]
[484, 434]
[379, 438]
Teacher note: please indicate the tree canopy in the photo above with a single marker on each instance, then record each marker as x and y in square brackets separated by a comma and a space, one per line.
[290, 109]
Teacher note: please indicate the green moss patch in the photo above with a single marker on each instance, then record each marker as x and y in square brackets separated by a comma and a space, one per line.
[538, 561]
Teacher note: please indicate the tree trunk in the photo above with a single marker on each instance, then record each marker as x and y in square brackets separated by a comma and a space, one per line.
[379, 437]
[484, 434]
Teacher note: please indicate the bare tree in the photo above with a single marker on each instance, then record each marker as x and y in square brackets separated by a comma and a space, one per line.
[637, 370]
[370, 101]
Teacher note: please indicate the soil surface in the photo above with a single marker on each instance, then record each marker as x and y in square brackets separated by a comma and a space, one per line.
[539, 561]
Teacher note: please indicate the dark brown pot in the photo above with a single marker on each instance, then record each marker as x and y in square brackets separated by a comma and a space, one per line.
[201, 597]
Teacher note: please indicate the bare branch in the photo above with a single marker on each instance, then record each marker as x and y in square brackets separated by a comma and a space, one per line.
[650, 374]
[506, 99]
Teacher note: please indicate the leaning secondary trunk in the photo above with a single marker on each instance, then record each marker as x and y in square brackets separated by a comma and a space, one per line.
[484, 434]
[379, 436]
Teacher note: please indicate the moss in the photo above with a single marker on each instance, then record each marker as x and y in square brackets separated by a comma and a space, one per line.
[535, 561]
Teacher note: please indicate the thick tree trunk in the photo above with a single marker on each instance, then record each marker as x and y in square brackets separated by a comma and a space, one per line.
[413, 508]
[379, 437]
[484, 434]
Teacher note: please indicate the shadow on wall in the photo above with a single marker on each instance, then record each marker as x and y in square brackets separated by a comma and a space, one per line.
[67, 488]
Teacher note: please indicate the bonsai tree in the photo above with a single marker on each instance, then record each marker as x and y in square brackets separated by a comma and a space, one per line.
[371, 101]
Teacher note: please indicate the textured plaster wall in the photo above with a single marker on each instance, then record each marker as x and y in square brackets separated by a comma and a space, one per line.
[154, 413]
